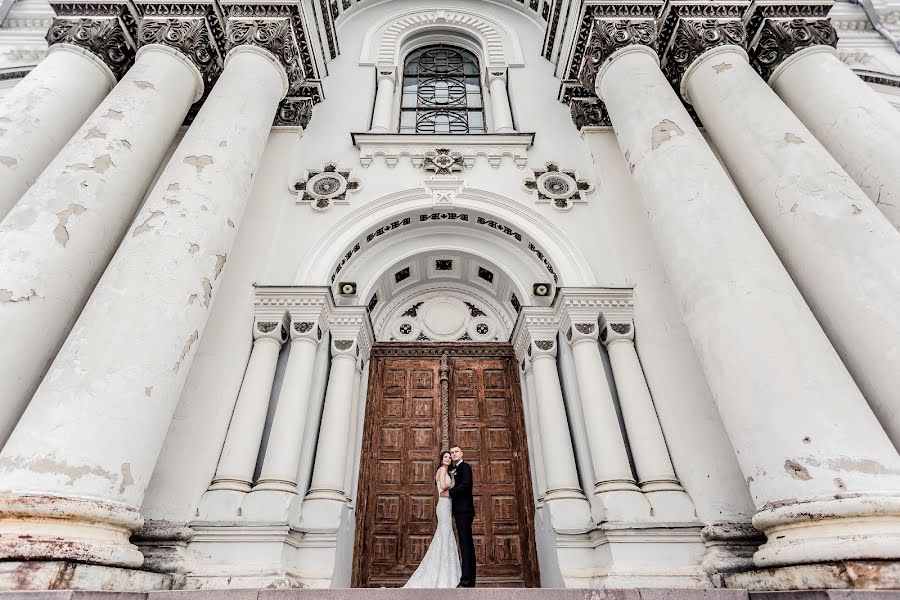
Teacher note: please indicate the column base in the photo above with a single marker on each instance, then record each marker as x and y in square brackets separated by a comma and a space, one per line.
[68, 529]
[861, 575]
[620, 506]
[568, 514]
[670, 505]
[65, 575]
[322, 511]
[220, 505]
[269, 505]
[729, 549]
[164, 546]
[842, 529]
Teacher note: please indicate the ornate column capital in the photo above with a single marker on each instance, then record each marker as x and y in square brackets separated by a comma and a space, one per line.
[581, 310]
[107, 30]
[616, 329]
[194, 29]
[615, 27]
[777, 30]
[268, 328]
[586, 109]
[493, 73]
[351, 332]
[386, 72]
[689, 29]
[535, 332]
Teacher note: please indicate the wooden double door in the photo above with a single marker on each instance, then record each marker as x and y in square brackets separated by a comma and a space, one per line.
[423, 398]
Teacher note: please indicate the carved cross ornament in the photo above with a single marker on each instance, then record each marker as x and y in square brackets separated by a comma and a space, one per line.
[321, 189]
[443, 162]
[561, 187]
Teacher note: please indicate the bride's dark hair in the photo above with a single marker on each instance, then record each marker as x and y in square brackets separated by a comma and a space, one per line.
[441, 460]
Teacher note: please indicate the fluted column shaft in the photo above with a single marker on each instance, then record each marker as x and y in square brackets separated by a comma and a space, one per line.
[727, 279]
[241, 448]
[839, 249]
[106, 403]
[58, 239]
[857, 125]
[40, 114]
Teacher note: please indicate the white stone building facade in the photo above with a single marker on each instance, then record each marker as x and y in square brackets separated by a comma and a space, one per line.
[679, 218]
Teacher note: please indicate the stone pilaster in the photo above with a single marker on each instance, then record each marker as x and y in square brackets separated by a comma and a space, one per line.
[617, 496]
[535, 338]
[275, 492]
[351, 341]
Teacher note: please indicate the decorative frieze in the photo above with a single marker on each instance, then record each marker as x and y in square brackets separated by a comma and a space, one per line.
[421, 147]
[559, 186]
[106, 36]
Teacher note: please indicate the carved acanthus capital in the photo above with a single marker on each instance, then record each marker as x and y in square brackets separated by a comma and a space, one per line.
[777, 39]
[692, 38]
[272, 329]
[197, 34]
[611, 34]
[616, 330]
[582, 332]
[351, 332]
[588, 113]
[294, 112]
[106, 37]
[307, 330]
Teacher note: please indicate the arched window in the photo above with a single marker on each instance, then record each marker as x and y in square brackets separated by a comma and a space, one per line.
[441, 92]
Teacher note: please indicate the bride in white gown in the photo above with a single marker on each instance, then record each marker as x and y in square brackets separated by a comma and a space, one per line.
[440, 566]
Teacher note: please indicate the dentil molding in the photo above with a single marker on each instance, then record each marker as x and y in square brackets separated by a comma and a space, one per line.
[421, 147]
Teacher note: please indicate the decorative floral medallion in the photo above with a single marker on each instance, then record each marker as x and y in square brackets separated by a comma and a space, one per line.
[562, 188]
[321, 189]
[443, 162]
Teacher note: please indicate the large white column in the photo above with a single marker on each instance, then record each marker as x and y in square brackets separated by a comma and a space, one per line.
[727, 279]
[840, 250]
[857, 125]
[351, 339]
[502, 112]
[104, 408]
[655, 472]
[362, 403]
[535, 337]
[58, 239]
[383, 113]
[237, 464]
[618, 497]
[42, 112]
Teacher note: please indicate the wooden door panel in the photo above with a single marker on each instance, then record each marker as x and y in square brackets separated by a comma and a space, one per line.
[397, 498]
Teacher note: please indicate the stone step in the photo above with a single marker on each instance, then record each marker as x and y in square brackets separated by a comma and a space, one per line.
[458, 594]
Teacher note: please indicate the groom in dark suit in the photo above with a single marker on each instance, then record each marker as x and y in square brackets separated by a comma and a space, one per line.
[463, 514]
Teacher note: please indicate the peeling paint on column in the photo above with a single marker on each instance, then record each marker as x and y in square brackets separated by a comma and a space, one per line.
[193, 248]
[116, 115]
[187, 348]
[144, 85]
[790, 138]
[101, 165]
[199, 162]
[220, 264]
[664, 132]
[722, 67]
[8, 161]
[61, 467]
[8, 296]
[61, 233]
[146, 226]
[94, 133]
[796, 470]
[127, 479]
[207, 291]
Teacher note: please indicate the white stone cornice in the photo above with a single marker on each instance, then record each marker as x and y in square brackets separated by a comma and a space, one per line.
[492, 146]
[300, 302]
[535, 323]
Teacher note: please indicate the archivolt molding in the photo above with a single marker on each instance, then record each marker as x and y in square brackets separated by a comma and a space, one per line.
[318, 265]
[383, 43]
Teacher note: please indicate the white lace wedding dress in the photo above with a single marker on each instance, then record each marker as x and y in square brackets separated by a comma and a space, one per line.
[440, 566]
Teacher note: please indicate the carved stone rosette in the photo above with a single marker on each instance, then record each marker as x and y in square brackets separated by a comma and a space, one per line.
[105, 30]
[611, 34]
[193, 29]
[777, 39]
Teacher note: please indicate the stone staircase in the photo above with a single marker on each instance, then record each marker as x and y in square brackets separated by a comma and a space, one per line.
[455, 594]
